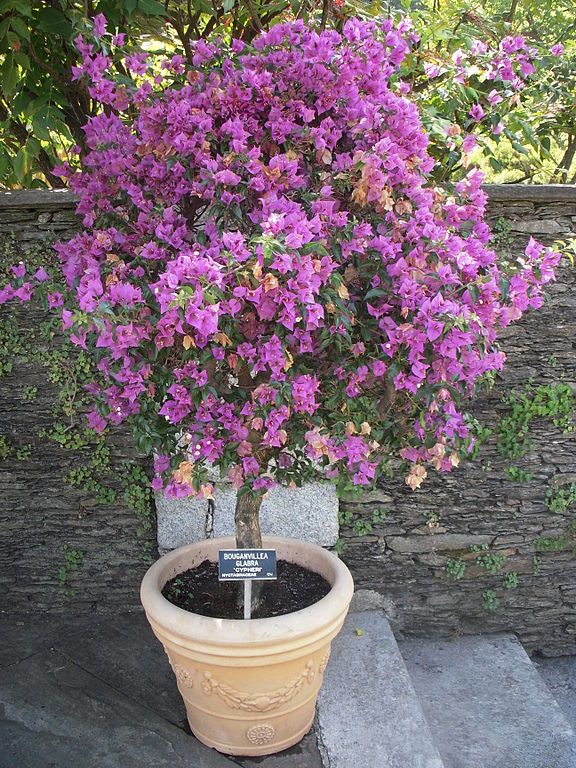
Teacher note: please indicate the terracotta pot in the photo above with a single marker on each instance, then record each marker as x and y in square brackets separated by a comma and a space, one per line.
[249, 687]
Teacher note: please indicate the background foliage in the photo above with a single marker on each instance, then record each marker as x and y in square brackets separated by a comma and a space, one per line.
[42, 109]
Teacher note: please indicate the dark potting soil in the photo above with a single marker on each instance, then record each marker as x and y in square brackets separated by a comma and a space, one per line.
[199, 591]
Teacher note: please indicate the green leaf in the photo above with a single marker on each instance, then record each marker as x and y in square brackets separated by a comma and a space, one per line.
[13, 40]
[504, 287]
[22, 164]
[41, 125]
[203, 6]
[9, 75]
[227, 5]
[33, 147]
[151, 8]
[314, 247]
[20, 28]
[496, 165]
[519, 148]
[374, 293]
[15, 5]
[474, 292]
[22, 60]
[54, 22]
[4, 25]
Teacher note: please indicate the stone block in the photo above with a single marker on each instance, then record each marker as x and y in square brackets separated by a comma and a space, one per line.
[440, 542]
[376, 496]
[309, 513]
[368, 712]
[180, 521]
[537, 227]
[560, 677]
[486, 704]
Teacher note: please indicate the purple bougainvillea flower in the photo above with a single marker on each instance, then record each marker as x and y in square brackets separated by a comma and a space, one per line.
[477, 113]
[267, 279]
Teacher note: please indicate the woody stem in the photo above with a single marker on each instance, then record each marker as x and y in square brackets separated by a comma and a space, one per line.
[247, 521]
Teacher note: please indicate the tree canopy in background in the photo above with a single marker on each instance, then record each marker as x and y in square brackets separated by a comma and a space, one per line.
[523, 137]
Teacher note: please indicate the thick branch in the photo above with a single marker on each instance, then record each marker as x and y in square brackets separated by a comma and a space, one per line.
[512, 11]
[326, 11]
[178, 25]
[247, 521]
[565, 164]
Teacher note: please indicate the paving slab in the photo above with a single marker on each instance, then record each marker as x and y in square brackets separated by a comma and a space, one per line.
[23, 635]
[559, 674]
[368, 712]
[486, 704]
[123, 652]
[97, 692]
[56, 715]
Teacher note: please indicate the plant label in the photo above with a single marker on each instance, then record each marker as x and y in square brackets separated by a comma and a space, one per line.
[244, 564]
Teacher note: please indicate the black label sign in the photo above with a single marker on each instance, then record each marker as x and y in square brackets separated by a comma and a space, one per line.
[237, 564]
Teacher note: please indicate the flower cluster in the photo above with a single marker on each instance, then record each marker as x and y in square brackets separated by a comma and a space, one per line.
[470, 94]
[266, 276]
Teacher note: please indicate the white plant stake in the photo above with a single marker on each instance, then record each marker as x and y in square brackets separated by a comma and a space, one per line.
[247, 599]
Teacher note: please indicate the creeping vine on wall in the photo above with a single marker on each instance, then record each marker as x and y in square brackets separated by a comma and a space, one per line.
[69, 370]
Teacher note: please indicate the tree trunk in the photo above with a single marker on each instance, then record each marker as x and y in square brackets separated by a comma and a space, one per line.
[247, 521]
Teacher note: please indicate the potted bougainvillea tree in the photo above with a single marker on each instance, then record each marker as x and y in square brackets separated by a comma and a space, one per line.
[272, 287]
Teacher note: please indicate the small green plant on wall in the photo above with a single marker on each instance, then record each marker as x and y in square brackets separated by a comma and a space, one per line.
[551, 401]
[518, 474]
[24, 452]
[29, 394]
[560, 498]
[502, 237]
[364, 523]
[5, 449]
[490, 561]
[455, 568]
[73, 559]
[490, 600]
[510, 580]
[340, 546]
[551, 543]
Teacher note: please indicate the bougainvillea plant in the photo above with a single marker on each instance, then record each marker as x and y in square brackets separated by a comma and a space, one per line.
[270, 283]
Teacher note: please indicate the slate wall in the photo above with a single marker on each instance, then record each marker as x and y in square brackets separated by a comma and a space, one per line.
[404, 557]
[41, 516]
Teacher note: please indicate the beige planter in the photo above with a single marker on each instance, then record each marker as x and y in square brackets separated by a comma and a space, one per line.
[249, 687]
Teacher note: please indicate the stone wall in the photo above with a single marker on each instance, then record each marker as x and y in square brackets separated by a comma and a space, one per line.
[43, 518]
[404, 557]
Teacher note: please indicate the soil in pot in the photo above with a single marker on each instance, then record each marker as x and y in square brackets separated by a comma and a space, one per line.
[198, 590]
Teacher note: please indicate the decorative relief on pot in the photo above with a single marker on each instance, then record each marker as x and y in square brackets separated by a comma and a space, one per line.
[324, 662]
[260, 734]
[183, 676]
[258, 702]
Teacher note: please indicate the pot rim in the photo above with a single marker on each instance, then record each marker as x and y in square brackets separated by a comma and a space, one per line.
[213, 631]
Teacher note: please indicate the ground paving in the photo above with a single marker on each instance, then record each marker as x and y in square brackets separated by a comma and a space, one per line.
[97, 692]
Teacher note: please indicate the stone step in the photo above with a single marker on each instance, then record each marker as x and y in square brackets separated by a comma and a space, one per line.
[559, 674]
[486, 704]
[368, 712]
